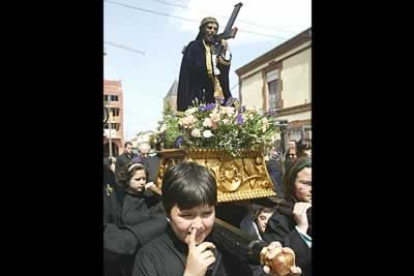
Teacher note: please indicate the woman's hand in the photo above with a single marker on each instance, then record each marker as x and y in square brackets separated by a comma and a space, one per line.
[300, 215]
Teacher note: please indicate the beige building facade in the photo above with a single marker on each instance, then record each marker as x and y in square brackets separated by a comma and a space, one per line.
[279, 82]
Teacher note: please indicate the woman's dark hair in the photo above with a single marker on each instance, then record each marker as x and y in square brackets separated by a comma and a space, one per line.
[291, 175]
[188, 185]
[128, 172]
[257, 209]
[302, 146]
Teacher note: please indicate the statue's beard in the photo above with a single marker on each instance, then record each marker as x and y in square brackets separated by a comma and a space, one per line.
[209, 38]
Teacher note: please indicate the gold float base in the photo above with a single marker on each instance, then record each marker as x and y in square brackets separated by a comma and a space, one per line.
[240, 178]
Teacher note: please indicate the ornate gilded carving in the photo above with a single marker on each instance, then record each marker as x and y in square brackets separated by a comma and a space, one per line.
[237, 179]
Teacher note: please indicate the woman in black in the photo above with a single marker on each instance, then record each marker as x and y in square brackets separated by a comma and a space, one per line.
[290, 224]
[139, 203]
[138, 220]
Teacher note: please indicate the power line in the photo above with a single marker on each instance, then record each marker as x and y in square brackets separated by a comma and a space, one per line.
[234, 86]
[185, 19]
[124, 48]
[151, 11]
[223, 16]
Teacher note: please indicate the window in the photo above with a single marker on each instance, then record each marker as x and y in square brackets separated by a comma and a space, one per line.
[113, 126]
[110, 98]
[272, 80]
[114, 111]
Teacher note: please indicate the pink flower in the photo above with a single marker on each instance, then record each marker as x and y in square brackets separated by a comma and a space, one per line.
[188, 122]
[207, 122]
[215, 117]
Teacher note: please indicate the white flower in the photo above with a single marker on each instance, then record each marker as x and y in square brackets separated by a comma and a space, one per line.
[226, 121]
[207, 122]
[229, 110]
[196, 133]
[191, 111]
[265, 125]
[207, 133]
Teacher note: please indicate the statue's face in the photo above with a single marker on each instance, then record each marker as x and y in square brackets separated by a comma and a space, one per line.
[210, 31]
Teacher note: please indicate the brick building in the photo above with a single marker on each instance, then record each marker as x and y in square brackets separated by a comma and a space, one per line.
[114, 127]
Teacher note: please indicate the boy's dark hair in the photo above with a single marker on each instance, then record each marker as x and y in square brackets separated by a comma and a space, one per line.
[188, 185]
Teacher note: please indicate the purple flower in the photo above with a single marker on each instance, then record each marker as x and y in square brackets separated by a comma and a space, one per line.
[240, 119]
[210, 106]
[201, 108]
[222, 101]
[178, 142]
[229, 101]
[243, 109]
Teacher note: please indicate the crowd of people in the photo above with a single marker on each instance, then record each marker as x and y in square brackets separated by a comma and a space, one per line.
[146, 234]
[149, 234]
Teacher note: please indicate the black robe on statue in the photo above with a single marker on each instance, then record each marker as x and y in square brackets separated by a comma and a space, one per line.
[194, 81]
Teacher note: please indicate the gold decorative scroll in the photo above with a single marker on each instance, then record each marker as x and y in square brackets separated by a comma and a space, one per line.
[240, 178]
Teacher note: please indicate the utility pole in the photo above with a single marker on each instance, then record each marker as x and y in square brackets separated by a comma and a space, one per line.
[108, 108]
[110, 127]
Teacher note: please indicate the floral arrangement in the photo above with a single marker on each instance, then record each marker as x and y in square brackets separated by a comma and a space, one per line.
[214, 126]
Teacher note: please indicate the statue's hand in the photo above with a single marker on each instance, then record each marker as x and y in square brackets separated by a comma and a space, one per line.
[224, 44]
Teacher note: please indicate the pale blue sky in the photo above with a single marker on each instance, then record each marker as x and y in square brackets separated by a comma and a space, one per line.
[147, 78]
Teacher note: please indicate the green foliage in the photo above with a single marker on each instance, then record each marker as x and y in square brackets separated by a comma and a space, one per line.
[214, 126]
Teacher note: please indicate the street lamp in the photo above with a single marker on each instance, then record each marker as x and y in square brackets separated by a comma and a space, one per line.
[105, 114]
[110, 133]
